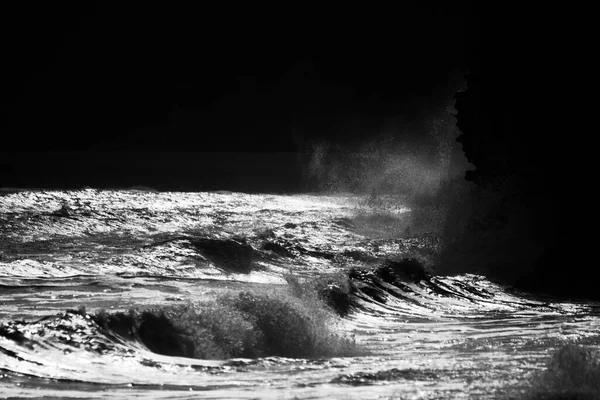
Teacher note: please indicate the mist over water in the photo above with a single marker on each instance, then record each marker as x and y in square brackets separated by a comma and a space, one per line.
[320, 295]
[494, 228]
[386, 281]
[418, 170]
[410, 165]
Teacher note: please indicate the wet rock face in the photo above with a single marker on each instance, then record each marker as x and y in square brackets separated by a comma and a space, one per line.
[497, 137]
[514, 97]
[506, 116]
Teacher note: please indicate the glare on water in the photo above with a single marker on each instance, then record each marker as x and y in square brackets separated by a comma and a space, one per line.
[447, 337]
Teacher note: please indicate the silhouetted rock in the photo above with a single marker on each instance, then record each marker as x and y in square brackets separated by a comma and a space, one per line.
[525, 168]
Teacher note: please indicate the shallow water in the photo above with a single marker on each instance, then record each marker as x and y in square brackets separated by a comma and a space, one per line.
[437, 338]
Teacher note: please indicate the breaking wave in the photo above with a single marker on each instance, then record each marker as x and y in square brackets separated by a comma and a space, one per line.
[232, 293]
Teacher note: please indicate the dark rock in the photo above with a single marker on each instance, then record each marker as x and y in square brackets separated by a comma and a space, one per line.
[510, 117]
[290, 225]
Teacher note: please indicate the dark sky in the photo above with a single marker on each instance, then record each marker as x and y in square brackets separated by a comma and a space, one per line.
[106, 77]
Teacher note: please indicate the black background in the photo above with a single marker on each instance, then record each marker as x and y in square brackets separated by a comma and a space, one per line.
[170, 95]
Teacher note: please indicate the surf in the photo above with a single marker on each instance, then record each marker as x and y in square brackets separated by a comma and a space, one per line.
[230, 294]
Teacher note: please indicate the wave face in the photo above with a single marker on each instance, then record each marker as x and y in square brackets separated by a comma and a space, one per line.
[230, 295]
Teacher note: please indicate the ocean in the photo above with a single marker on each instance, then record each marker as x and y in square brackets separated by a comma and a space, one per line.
[227, 295]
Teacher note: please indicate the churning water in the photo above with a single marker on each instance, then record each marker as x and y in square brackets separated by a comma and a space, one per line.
[125, 294]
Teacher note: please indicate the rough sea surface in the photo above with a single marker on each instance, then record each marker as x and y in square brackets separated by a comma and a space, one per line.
[459, 337]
